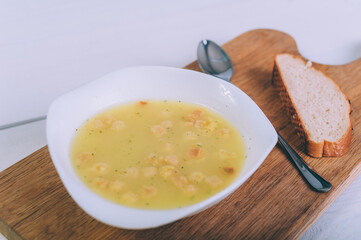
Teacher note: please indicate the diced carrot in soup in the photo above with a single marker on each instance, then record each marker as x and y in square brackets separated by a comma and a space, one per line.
[180, 181]
[228, 170]
[194, 152]
[223, 132]
[85, 157]
[197, 113]
[148, 192]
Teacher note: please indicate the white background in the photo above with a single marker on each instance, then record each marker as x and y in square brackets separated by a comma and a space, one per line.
[50, 47]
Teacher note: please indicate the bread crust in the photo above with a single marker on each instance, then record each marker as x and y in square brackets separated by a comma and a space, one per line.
[314, 149]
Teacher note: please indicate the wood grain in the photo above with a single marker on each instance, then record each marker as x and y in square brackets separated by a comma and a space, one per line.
[273, 204]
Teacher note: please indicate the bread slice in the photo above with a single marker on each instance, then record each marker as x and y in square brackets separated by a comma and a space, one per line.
[318, 108]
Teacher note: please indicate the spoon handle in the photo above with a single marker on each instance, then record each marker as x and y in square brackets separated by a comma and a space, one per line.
[15, 124]
[314, 180]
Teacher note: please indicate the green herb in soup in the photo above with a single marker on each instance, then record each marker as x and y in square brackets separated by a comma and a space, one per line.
[157, 154]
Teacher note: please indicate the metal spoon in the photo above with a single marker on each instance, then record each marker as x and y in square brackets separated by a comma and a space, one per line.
[16, 124]
[213, 60]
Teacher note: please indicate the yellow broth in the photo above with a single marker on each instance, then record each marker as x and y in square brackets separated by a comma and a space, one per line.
[157, 154]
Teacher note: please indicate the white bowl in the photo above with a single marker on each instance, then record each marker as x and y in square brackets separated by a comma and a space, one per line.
[71, 110]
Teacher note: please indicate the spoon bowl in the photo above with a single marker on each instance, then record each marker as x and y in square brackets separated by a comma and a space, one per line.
[213, 60]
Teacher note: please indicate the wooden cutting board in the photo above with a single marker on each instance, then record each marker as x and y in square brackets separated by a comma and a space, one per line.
[275, 203]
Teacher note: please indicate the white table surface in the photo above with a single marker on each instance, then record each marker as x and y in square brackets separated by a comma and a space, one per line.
[50, 47]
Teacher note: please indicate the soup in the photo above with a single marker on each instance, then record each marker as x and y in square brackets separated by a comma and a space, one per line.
[157, 154]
